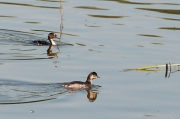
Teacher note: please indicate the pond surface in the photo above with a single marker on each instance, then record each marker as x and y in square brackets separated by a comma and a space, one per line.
[106, 36]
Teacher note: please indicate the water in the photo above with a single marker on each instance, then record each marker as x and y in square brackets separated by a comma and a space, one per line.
[105, 36]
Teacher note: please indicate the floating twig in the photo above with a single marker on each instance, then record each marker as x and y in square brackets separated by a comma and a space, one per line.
[170, 66]
[61, 23]
[166, 73]
[149, 69]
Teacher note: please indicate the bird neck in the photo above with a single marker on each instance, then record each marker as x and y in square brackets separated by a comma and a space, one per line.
[52, 42]
[89, 80]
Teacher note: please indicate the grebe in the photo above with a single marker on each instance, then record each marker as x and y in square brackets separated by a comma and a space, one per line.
[50, 38]
[82, 85]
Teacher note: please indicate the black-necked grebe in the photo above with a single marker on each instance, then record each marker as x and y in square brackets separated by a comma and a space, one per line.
[50, 38]
[82, 85]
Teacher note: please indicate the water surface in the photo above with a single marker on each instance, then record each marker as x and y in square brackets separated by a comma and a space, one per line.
[106, 36]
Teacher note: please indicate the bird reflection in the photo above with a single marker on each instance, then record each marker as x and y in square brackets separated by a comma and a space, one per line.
[91, 94]
[50, 53]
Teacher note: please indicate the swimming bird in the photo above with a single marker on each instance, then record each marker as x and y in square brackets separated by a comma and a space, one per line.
[50, 38]
[80, 84]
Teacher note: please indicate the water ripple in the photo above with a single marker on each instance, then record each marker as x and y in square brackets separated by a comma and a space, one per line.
[16, 92]
[140, 3]
[14, 45]
[170, 28]
[91, 7]
[48, 0]
[7, 16]
[149, 35]
[105, 16]
[28, 5]
[166, 11]
[20, 92]
[169, 19]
